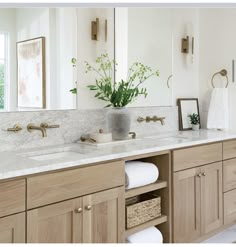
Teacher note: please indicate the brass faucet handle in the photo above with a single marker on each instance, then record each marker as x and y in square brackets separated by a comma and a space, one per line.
[148, 119]
[15, 128]
[140, 119]
[47, 126]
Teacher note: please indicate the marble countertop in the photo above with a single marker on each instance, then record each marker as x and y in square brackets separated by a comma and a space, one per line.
[21, 163]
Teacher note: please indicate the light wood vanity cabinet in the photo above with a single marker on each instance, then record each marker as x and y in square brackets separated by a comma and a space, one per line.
[93, 218]
[198, 203]
[12, 229]
[12, 207]
[96, 215]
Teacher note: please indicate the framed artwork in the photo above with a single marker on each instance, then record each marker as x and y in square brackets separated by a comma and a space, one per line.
[186, 107]
[31, 76]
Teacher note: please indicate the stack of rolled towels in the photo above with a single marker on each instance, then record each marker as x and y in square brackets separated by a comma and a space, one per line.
[139, 173]
[149, 235]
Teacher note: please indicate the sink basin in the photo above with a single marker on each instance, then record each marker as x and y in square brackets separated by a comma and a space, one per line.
[169, 138]
[53, 156]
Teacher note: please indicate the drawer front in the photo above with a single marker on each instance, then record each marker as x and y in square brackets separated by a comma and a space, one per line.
[229, 174]
[12, 197]
[55, 187]
[196, 156]
[229, 207]
[229, 149]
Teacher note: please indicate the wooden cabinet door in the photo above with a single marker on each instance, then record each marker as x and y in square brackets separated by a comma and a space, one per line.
[103, 217]
[211, 197]
[57, 223]
[12, 229]
[186, 188]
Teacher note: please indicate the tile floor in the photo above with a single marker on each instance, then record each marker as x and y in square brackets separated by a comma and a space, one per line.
[227, 236]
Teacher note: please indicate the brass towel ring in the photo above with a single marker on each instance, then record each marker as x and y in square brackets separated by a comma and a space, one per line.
[223, 72]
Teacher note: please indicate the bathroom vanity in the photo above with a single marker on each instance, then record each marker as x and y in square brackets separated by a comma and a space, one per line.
[81, 199]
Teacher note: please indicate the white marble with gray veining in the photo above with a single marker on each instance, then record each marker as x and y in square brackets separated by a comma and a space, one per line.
[73, 123]
[20, 163]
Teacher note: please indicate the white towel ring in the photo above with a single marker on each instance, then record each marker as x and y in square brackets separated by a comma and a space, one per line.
[223, 72]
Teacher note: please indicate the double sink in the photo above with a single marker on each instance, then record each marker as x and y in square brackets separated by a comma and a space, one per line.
[76, 151]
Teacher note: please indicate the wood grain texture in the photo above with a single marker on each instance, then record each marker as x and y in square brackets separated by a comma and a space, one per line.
[186, 205]
[12, 229]
[57, 223]
[229, 149]
[12, 197]
[229, 175]
[58, 186]
[211, 197]
[159, 184]
[102, 223]
[229, 207]
[196, 156]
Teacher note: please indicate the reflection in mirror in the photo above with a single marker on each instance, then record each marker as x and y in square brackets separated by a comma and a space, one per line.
[42, 75]
[145, 35]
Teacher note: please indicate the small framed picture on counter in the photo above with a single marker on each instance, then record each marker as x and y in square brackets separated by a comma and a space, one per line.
[187, 107]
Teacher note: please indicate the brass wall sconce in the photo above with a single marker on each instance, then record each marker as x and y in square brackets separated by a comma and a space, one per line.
[95, 29]
[185, 45]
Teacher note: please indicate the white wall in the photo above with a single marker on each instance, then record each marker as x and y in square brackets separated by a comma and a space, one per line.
[217, 49]
[7, 24]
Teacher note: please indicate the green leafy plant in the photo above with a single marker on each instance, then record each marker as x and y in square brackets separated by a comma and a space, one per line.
[124, 92]
[74, 61]
[194, 118]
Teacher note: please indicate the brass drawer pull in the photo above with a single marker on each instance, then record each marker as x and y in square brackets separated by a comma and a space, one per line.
[88, 207]
[79, 210]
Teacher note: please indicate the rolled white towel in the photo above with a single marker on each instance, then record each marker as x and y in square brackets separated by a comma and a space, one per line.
[140, 173]
[150, 235]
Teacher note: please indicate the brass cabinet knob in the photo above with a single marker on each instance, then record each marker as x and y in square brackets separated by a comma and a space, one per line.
[79, 210]
[199, 175]
[88, 207]
[203, 174]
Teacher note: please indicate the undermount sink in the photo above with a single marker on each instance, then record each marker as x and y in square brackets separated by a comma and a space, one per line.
[53, 156]
[169, 138]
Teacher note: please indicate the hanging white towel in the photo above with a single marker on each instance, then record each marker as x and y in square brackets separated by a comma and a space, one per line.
[150, 235]
[218, 114]
[140, 173]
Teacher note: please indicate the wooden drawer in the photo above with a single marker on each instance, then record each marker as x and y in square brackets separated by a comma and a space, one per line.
[229, 174]
[196, 156]
[55, 187]
[12, 197]
[229, 207]
[229, 149]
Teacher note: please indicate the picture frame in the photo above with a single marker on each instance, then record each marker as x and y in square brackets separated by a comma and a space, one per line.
[31, 74]
[187, 106]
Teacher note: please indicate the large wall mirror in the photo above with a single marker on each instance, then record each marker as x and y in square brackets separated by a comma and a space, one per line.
[145, 35]
[43, 50]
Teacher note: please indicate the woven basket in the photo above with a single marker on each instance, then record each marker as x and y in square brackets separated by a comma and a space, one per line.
[142, 212]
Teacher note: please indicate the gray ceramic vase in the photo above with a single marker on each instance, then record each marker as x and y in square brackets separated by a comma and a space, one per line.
[118, 122]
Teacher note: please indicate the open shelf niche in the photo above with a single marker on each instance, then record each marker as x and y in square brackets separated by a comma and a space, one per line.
[162, 187]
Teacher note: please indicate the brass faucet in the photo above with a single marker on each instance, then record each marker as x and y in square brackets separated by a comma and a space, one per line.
[47, 126]
[153, 119]
[31, 127]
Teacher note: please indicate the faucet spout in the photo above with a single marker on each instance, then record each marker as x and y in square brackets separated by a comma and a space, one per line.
[31, 127]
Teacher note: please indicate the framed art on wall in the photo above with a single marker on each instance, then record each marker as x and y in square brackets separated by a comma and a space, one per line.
[187, 106]
[31, 73]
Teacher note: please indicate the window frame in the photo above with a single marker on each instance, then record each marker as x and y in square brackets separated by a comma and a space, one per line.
[6, 71]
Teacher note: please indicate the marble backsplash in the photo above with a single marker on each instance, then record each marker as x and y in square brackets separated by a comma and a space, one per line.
[74, 123]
